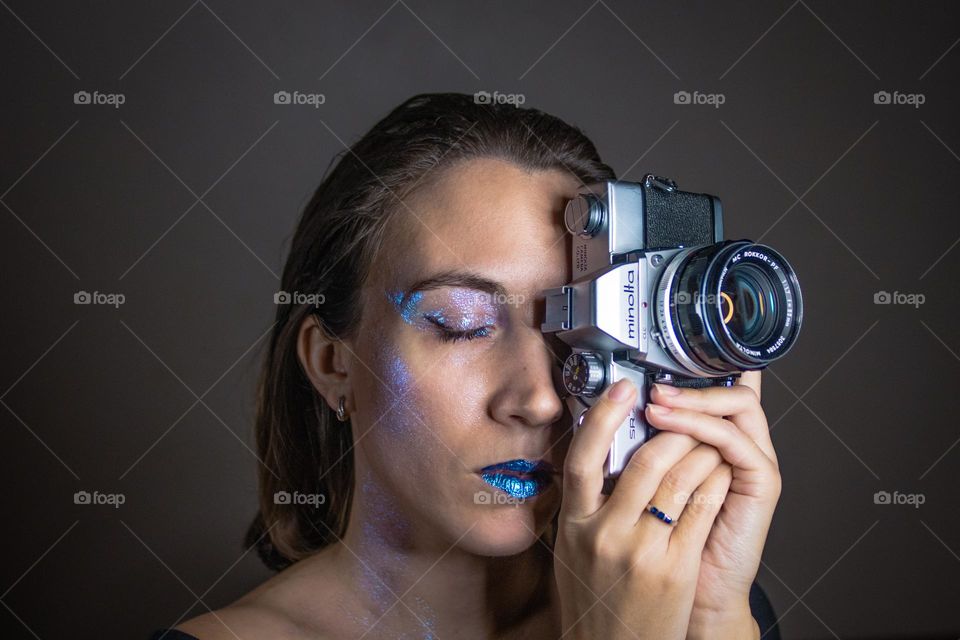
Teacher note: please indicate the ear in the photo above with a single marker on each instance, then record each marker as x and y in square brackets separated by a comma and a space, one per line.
[324, 359]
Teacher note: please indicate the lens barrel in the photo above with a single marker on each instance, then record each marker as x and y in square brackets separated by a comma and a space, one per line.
[729, 306]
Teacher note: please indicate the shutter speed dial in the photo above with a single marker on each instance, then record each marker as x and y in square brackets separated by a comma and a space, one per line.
[583, 374]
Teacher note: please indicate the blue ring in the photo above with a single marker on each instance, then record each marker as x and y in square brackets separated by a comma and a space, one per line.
[661, 515]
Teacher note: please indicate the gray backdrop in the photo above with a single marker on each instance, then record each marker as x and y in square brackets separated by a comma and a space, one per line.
[175, 181]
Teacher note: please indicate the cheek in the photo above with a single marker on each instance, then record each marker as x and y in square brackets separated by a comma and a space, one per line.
[423, 409]
[402, 412]
[463, 382]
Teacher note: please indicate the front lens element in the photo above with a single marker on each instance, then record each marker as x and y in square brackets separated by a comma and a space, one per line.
[733, 306]
[750, 305]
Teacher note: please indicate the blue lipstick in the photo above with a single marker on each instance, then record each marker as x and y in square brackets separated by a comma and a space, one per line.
[518, 478]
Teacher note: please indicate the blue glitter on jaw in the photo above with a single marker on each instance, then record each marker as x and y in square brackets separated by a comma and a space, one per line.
[516, 486]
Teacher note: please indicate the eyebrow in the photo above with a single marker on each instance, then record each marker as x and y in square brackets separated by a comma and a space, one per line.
[458, 278]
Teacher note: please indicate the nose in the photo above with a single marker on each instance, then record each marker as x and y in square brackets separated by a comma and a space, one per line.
[526, 394]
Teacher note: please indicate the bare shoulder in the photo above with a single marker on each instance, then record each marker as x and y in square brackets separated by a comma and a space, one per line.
[285, 607]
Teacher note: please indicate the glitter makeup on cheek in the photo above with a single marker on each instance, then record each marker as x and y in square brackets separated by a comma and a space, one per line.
[398, 375]
[399, 404]
[401, 416]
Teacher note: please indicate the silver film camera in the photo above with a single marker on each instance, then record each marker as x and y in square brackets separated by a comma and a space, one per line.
[658, 295]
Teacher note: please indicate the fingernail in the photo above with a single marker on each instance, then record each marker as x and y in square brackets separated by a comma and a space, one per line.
[659, 409]
[667, 390]
[620, 391]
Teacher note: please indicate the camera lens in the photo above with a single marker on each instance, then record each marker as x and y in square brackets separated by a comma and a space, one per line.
[728, 307]
[748, 305]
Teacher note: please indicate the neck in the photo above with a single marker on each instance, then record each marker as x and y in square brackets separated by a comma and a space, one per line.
[442, 590]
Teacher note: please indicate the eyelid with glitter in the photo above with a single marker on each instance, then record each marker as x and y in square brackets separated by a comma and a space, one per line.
[455, 313]
[446, 334]
[462, 314]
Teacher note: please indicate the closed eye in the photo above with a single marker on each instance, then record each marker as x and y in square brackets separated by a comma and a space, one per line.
[447, 334]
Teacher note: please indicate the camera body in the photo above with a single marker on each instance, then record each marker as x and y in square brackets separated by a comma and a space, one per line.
[657, 295]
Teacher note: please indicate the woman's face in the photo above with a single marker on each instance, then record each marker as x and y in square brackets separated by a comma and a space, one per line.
[452, 381]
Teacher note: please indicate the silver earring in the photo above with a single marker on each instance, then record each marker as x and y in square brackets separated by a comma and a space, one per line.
[341, 412]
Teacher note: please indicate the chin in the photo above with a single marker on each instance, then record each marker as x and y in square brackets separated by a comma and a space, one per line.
[509, 528]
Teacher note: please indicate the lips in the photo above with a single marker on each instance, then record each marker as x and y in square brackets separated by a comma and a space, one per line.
[520, 478]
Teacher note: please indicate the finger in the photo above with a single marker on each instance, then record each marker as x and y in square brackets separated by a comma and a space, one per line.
[643, 474]
[751, 379]
[715, 401]
[759, 431]
[701, 510]
[583, 466]
[739, 403]
[758, 472]
[679, 484]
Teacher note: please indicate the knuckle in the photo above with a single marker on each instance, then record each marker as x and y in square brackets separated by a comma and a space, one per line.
[746, 395]
[672, 484]
[569, 536]
[711, 452]
[602, 544]
[701, 504]
[671, 581]
[725, 471]
[730, 427]
[639, 562]
[576, 477]
[776, 483]
[643, 463]
[743, 391]
[574, 470]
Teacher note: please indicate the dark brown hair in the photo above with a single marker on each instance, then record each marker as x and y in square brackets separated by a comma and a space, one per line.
[301, 444]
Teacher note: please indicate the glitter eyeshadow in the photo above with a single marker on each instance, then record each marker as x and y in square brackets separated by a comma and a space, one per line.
[406, 304]
[475, 308]
[470, 309]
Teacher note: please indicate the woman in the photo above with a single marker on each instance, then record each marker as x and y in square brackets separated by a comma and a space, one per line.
[421, 479]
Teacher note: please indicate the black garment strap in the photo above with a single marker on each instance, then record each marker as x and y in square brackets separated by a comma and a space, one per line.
[171, 634]
[763, 613]
[760, 607]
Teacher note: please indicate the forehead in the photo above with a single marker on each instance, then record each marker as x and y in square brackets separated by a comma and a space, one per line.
[485, 215]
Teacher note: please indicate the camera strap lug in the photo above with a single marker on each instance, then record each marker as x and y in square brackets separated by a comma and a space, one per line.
[660, 182]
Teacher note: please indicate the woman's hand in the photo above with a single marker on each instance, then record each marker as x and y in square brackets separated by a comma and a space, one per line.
[620, 571]
[731, 420]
